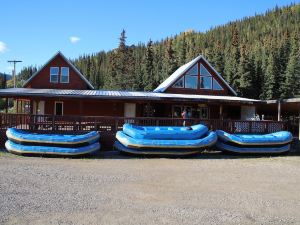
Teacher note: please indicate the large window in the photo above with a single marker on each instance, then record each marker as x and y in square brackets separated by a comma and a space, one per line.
[191, 81]
[205, 78]
[179, 83]
[216, 85]
[198, 77]
[203, 71]
[205, 82]
[64, 76]
[193, 70]
[54, 71]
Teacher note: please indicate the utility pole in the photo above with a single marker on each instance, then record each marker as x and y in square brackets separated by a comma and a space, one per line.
[14, 71]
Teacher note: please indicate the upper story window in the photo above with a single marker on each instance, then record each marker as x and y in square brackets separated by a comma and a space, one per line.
[54, 72]
[61, 75]
[64, 75]
[205, 78]
[179, 83]
[198, 77]
[216, 85]
[191, 77]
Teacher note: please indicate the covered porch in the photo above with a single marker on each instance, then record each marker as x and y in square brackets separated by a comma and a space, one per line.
[77, 111]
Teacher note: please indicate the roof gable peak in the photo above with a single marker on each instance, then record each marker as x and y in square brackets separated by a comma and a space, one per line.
[183, 69]
[59, 53]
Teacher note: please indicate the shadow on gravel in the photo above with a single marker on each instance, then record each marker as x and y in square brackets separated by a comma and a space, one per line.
[117, 155]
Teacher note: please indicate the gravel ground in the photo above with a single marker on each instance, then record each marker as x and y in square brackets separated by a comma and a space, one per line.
[213, 189]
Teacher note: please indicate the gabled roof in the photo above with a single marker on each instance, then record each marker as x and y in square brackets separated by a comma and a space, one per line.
[70, 64]
[181, 70]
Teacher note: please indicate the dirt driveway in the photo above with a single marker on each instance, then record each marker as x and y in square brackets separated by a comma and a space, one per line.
[214, 189]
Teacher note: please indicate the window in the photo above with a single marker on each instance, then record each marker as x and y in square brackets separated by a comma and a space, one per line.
[179, 83]
[205, 82]
[193, 70]
[64, 76]
[216, 85]
[54, 71]
[205, 78]
[58, 110]
[203, 113]
[191, 81]
[203, 71]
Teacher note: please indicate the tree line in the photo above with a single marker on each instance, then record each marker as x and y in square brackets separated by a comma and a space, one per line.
[258, 56]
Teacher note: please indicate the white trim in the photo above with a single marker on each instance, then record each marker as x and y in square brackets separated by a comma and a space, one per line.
[54, 74]
[62, 107]
[70, 64]
[64, 76]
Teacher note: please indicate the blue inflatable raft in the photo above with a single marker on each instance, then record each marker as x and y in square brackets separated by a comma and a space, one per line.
[155, 151]
[28, 138]
[203, 142]
[165, 133]
[50, 150]
[278, 142]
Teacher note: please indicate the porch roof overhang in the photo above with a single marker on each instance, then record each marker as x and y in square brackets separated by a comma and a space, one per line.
[120, 95]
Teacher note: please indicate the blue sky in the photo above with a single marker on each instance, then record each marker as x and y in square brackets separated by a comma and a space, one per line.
[34, 30]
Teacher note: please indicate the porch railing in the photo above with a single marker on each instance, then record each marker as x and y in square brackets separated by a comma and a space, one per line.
[108, 126]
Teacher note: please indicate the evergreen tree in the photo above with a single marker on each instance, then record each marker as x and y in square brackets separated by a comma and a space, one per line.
[170, 62]
[246, 74]
[182, 50]
[270, 91]
[291, 85]
[148, 81]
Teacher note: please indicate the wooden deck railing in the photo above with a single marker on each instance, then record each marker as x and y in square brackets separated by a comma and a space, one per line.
[108, 126]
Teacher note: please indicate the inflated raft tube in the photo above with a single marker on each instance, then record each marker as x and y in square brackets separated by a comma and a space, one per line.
[50, 150]
[155, 151]
[273, 139]
[29, 138]
[253, 149]
[207, 141]
[165, 133]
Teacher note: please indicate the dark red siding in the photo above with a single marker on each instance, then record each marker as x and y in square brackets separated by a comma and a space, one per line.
[42, 79]
[86, 107]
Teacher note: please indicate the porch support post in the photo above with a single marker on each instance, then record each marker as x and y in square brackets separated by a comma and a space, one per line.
[22, 106]
[37, 102]
[6, 105]
[279, 110]
[221, 112]
[31, 106]
[17, 103]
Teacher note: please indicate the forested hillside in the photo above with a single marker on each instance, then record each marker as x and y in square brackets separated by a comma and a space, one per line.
[259, 56]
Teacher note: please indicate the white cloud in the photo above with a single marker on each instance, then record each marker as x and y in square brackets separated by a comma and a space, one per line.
[74, 39]
[3, 47]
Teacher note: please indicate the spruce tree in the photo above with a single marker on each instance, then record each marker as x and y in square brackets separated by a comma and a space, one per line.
[291, 86]
[170, 62]
[148, 80]
[270, 91]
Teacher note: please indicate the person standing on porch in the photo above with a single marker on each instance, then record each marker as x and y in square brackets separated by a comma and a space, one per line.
[184, 116]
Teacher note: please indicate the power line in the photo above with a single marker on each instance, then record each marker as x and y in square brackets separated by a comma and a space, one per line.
[14, 71]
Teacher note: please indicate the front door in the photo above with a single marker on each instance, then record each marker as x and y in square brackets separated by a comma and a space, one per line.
[58, 109]
[129, 109]
[40, 108]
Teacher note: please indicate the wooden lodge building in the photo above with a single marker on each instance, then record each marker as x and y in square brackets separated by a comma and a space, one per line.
[59, 88]
[59, 97]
